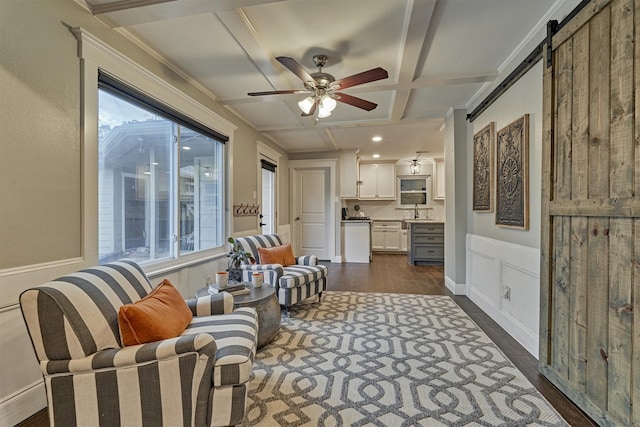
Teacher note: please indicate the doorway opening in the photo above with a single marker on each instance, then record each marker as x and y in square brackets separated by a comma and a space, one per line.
[268, 214]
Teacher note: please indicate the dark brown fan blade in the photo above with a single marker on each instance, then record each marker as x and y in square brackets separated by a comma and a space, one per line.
[296, 69]
[277, 92]
[355, 101]
[361, 78]
[312, 111]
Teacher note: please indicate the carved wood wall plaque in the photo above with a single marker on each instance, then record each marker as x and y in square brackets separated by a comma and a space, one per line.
[483, 168]
[512, 180]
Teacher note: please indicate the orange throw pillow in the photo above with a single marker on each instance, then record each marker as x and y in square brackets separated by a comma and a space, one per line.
[160, 315]
[282, 254]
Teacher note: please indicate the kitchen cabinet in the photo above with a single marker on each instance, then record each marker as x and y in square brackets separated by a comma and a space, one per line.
[426, 244]
[403, 240]
[349, 175]
[385, 236]
[377, 181]
[438, 182]
[356, 240]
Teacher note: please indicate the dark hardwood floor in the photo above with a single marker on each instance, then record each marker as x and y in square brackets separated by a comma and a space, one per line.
[392, 274]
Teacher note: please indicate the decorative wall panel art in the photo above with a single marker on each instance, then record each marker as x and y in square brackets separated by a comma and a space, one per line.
[512, 184]
[483, 169]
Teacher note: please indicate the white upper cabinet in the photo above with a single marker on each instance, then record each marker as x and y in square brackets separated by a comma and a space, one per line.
[438, 182]
[349, 175]
[377, 181]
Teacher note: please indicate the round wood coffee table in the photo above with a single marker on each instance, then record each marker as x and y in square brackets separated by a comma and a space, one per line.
[264, 300]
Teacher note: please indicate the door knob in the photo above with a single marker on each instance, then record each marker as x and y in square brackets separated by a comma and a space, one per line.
[297, 218]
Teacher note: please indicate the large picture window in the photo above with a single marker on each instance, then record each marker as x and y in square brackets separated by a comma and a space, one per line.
[160, 179]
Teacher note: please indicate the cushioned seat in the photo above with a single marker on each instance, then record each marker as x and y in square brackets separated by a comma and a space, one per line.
[234, 335]
[299, 275]
[198, 378]
[293, 283]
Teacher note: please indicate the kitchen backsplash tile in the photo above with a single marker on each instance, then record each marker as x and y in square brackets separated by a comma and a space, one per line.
[389, 209]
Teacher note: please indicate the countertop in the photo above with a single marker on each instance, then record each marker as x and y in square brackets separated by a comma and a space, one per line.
[347, 221]
[427, 221]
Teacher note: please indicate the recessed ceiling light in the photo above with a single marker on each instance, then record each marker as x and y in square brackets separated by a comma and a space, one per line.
[376, 138]
[186, 147]
[375, 156]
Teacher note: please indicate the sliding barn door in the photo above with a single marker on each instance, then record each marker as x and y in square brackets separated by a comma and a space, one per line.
[590, 330]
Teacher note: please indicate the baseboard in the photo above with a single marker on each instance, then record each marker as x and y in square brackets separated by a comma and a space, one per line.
[22, 404]
[455, 288]
[337, 259]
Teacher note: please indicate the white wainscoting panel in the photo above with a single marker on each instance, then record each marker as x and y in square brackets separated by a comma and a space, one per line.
[21, 388]
[503, 279]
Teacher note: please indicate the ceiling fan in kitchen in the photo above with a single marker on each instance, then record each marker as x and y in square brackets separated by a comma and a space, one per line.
[323, 87]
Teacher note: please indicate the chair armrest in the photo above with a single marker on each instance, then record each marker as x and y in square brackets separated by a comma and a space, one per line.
[135, 355]
[272, 272]
[307, 260]
[221, 303]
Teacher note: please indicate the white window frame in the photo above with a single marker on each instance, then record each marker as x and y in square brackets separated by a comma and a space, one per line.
[94, 55]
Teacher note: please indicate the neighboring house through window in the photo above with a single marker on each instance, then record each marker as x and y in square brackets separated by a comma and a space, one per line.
[161, 178]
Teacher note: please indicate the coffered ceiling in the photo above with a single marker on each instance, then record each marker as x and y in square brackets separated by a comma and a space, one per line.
[439, 54]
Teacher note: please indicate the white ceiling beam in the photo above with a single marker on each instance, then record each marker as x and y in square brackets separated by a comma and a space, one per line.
[330, 139]
[99, 9]
[422, 82]
[417, 21]
[350, 124]
[243, 31]
[126, 13]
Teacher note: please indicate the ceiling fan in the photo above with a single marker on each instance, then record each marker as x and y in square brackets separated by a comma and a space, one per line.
[323, 87]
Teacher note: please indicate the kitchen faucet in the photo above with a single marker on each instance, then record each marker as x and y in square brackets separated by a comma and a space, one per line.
[415, 212]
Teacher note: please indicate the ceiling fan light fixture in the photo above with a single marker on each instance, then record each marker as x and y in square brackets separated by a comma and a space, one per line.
[414, 167]
[306, 104]
[328, 103]
[323, 113]
[326, 106]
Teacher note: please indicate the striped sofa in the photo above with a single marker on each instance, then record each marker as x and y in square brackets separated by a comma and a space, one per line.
[197, 379]
[293, 283]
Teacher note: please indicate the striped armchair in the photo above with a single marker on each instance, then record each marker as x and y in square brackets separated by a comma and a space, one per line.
[197, 379]
[293, 283]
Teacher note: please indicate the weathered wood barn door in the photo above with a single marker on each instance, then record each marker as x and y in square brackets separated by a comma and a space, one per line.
[590, 275]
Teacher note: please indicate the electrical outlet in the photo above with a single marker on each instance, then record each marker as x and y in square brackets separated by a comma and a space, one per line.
[506, 293]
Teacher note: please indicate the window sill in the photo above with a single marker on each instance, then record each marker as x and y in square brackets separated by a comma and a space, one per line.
[155, 269]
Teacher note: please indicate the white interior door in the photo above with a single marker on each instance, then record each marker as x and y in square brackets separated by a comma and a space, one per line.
[311, 210]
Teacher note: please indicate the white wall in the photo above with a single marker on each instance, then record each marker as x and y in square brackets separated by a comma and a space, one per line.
[456, 184]
[505, 260]
[524, 97]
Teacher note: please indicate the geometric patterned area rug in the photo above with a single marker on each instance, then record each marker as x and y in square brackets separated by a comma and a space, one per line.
[367, 359]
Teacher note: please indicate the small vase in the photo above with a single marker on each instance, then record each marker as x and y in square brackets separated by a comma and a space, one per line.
[235, 275]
